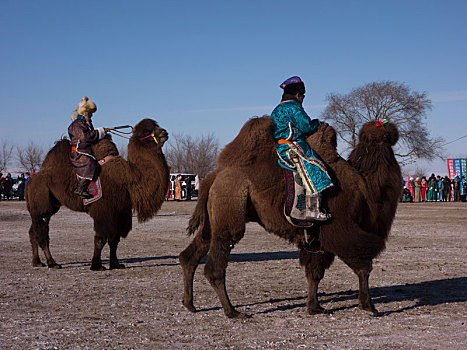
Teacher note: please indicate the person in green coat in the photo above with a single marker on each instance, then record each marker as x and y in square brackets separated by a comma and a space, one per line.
[432, 189]
[292, 125]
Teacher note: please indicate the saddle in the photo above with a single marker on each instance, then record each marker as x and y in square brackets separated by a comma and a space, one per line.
[95, 187]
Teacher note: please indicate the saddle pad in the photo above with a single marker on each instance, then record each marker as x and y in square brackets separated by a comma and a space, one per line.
[95, 189]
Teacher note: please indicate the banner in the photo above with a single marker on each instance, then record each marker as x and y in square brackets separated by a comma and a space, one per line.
[463, 167]
[457, 167]
[451, 172]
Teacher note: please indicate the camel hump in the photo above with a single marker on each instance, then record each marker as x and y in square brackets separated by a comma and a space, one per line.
[255, 140]
[103, 148]
[58, 153]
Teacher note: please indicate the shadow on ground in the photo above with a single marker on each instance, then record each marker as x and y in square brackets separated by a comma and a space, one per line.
[428, 293]
[235, 257]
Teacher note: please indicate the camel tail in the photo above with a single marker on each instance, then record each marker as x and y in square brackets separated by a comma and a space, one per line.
[200, 215]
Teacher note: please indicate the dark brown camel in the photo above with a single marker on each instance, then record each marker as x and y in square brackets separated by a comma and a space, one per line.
[248, 185]
[138, 184]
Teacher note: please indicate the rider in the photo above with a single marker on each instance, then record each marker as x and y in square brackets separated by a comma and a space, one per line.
[82, 136]
[292, 125]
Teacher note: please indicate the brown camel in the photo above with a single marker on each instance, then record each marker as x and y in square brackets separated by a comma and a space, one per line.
[248, 185]
[139, 184]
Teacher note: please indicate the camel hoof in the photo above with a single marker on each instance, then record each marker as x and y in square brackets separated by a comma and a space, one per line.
[38, 264]
[117, 266]
[190, 307]
[54, 266]
[236, 314]
[371, 309]
[317, 311]
[98, 268]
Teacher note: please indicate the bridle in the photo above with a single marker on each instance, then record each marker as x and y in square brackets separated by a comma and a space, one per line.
[151, 135]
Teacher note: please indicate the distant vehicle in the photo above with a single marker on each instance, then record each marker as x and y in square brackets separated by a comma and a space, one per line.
[186, 178]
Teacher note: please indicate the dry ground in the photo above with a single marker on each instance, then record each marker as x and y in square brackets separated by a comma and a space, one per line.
[419, 285]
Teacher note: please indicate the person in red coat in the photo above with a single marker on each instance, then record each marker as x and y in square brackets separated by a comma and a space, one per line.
[82, 136]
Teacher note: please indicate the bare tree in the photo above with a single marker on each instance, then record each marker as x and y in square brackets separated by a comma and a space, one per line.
[6, 152]
[385, 100]
[192, 155]
[31, 156]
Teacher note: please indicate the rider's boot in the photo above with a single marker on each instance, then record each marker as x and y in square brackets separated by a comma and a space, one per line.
[313, 208]
[82, 188]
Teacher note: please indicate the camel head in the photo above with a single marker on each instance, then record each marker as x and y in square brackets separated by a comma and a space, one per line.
[149, 133]
[379, 133]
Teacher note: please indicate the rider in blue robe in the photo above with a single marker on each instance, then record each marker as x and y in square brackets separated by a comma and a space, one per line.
[292, 125]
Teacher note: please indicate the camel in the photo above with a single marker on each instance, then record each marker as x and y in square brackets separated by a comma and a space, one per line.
[139, 184]
[248, 185]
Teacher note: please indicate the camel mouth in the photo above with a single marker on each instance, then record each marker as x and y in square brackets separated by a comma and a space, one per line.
[162, 135]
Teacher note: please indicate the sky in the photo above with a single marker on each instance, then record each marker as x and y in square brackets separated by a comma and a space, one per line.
[206, 67]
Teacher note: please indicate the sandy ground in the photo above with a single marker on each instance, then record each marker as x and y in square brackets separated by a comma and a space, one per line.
[419, 286]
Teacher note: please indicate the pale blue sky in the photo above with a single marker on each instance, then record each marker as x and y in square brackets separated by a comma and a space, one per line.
[201, 67]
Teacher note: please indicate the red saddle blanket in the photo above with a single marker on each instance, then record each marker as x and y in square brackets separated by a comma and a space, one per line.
[95, 189]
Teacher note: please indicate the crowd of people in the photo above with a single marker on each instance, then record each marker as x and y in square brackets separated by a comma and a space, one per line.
[434, 189]
[7, 189]
[182, 187]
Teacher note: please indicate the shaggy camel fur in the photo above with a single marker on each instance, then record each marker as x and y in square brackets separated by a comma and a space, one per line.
[140, 184]
[248, 185]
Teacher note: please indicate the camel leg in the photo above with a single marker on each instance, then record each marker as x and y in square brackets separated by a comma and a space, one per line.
[40, 230]
[114, 263]
[189, 260]
[96, 262]
[315, 266]
[106, 230]
[362, 269]
[215, 269]
[36, 260]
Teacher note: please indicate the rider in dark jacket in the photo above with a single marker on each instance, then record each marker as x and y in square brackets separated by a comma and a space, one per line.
[82, 136]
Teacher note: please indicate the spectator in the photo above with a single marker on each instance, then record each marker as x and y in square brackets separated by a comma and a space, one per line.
[188, 187]
[169, 192]
[463, 189]
[7, 186]
[418, 190]
[424, 188]
[1, 185]
[21, 185]
[411, 187]
[432, 189]
[457, 187]
[440, 193]
[447, 189]
[196, 182]
[178, 188]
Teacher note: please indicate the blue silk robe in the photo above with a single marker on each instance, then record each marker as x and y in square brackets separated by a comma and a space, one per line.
[293, 124]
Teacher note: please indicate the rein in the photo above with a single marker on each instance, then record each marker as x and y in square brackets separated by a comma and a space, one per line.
[115, 131]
